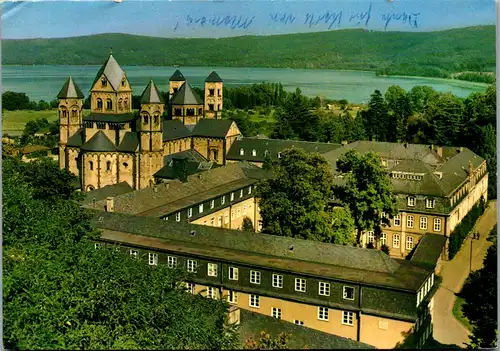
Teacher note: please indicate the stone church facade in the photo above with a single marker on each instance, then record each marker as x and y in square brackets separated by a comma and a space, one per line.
[113, 144]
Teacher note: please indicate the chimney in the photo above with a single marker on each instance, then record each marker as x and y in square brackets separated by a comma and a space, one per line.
[110, 204]
[179, 166]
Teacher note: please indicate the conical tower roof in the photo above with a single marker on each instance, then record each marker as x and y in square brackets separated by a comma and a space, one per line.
[186, 96]
[177, 77]
[151, 94]
[113, 72]
[70, 90]
[213, 78]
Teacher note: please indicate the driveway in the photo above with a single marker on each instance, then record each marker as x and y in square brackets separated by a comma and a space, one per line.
[447, 330]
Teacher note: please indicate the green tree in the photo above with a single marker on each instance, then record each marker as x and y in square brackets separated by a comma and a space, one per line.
[247, 224]
[446, 114]
[400, 110]
[376, 118]
[267, 342]
[366, 191]
[420, 96]
[295, 202]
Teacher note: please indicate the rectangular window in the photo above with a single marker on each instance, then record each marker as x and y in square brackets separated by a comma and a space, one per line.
[300, 284]
[153, 259]
[423, 223]
[232, 297]
[190, 287]
[411, 201]
[429, 203]
[277, 281]
[409, 243]
[212, 270]
[241, 193]
[297, 322]
[134, 253]
[383, 239]
[171, 261]
[347, 318]
[276, 312]
[178, 216]
[232, 196]
[211, 292]
[348, 292]
[226, 219]
[190, 212]
[254, 301]
[324, 289]
[192, 266]
[249, 190]
[200, 208]
[223, 200]
[437, 224]
[232, 214]
[323, 313]
[395, 241]
[397, 220]
[371, 237]
[233, 273]
[409, 221]
[212, 204]
[255, 277]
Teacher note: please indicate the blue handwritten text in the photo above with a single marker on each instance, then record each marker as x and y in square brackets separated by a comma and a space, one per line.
[358, 17]
[232, 22]
[411, 19]
[284, 18]
[330, 18]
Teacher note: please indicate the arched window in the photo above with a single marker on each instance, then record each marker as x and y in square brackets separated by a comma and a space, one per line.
[123, 82]
[125, 164]
[99, 104]
[91, 165]
[120, 104]
[64, 113]
[109, 104]
[156, 119]
[125, 103]
[108, 166]
[74, 113]
[145, 119]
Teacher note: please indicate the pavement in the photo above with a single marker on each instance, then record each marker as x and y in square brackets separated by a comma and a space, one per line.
[447, 330]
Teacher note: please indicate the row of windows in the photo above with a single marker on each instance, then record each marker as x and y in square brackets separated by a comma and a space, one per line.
[425, 289]
[74, 113]
[108, 165]
[254, 153]
[410, 222]
[396, 238]
[407, 175]
[122, 104]
[429, 203]
[145, 119]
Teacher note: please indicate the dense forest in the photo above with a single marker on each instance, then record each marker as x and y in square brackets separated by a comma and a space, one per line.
[433, 54]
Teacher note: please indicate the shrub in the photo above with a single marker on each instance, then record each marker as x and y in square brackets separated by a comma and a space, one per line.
[385, 249]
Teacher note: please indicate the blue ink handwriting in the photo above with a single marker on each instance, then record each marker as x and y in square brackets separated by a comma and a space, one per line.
[411, 19]
[361, 16]
[328, 17]
[232, 22]
[284, 18]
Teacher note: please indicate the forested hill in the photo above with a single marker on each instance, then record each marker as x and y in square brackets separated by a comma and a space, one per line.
[439, 53]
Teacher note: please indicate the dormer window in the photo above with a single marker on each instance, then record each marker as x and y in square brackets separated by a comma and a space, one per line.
[123, 82]
[104, 82]
[242, 152]
[254, 152]
[411, 201]
[279, 154]
[429, 203]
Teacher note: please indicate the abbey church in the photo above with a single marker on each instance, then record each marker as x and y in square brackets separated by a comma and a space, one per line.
[113, 144]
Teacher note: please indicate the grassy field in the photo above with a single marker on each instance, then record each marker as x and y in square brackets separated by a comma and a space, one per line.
[457, 312]
[13, 121]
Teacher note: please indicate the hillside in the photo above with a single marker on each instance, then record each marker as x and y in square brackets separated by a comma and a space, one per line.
[424, 54]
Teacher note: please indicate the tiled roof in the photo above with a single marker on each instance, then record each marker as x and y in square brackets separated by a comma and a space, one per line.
[109, 117]
[216, 128]
[186, 96]
[429, 249]
[99, 143]
[112, 71]
[192, 167]
[177, 77]
[77, 139]
[107, 191]
[70, 90]
[455, 169]
[151, 95]
[273, 147]
[129, 143]
[347, 263]
[190, 154]
[213, 78]
[174, 129]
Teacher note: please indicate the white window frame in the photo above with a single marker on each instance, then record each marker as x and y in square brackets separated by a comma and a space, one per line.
[411, 201]
[212, 269]
[134, 253]
[370, 237]
[241, 193]
[437, 224]
[232, 297]
[153, 259]
[211, 292]
[254, 152]
[178, 216]
[255, 277]
[348, 318]
[276, 312]
[297, 322]
[397, 220]
[192, 266]
[430, 203]
[324, 289]
[396, 241]
[171, 261]
[300, 285]
[345, 294]
[232, 196]
[323, 313]
[249, 190]
[190, 212]
[383, 239]
[277, 281]
[212, 204]
[233, 273]
[190, 287]
[223, 200]
[423, 223]
[200, 208]
[410, 219]
[409, 243]
[254, 301]
[242, 152]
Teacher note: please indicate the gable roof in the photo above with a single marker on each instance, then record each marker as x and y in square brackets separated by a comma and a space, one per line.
[70, 90]
[151, 95]
[190, 155]
[129, 143]
[273, 147]
[177, 77]
[186, 96]
[192, 167]
[174, 129]
[77, 139]
[113, 72]
[216, 128]
[99, 143]
[213, 78]
[429, 249]
[107, 191]
[109, 117]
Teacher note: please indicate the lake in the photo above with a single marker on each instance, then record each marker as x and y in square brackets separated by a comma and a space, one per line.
[44, 82]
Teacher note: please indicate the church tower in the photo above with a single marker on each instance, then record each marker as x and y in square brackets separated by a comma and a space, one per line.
[150, 128]
[175, 82]
[70, 116]
[213, 96]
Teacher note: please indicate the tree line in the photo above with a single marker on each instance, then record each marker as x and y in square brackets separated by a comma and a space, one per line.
[12, 101]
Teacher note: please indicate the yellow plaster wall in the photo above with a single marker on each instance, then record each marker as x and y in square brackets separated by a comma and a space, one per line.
[204, 145]
[383, 333]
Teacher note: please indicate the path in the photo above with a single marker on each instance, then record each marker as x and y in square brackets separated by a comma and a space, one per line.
[447, 330]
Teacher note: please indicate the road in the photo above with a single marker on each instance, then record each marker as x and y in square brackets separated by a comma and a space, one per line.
[447, 330]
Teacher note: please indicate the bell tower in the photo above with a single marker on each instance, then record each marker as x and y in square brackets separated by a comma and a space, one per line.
[175, 82]
[70, 116]
[213, 96]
